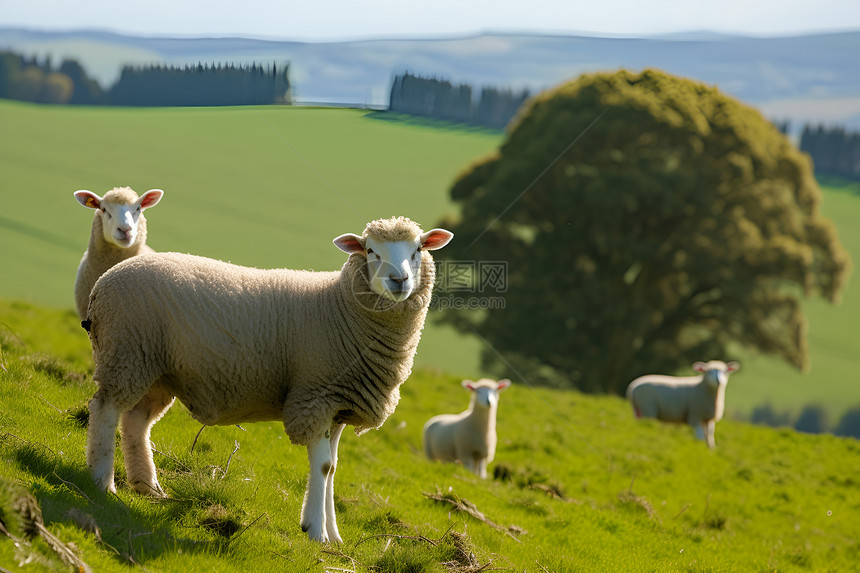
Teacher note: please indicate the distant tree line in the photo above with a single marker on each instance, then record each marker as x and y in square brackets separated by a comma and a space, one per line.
[29, 79]
[834, 150]
[811, 420]
[202, 85]
[440, 99]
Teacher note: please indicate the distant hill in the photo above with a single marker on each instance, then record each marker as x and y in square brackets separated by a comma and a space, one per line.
[802, 78]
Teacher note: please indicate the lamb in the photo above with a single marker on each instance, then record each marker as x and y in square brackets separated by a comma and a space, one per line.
[697, 400]
[118, 232]
[468, 437]
[315, 350]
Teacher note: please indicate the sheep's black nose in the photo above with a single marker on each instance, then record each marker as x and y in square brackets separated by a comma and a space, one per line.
[398, 280]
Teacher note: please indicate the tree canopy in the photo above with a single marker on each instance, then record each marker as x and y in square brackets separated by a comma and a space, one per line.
[647, 221]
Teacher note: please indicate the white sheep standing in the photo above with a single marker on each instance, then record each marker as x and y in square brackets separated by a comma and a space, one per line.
[470, 436]
[315, 350]
[695, 400]
[118, 233]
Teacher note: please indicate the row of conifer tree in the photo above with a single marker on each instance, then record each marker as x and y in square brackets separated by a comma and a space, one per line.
[834, 151]
[29, 79]
[440, 99]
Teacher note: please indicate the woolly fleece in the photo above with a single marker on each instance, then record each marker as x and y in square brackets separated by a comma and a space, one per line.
[238, 344]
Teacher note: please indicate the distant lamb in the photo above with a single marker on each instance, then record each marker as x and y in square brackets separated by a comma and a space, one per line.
[315, 350]
[696, 400]
[468, 437]
[118, 233]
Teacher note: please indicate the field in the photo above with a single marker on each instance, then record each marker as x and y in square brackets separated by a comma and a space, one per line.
[581, 485]
[272, 186]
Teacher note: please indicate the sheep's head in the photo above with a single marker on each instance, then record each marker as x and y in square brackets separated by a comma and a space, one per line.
[120, 211]
[392, 248]
[486, 391]
[716, 372]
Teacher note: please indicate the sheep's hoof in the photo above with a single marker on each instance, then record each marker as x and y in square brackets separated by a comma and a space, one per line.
[153, 490]
[315, 533]
[335, 539]
[105, 485]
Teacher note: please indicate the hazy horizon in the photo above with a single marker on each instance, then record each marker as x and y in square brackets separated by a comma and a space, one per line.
[342, 20]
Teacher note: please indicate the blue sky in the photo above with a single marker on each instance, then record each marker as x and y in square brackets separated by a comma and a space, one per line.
[351, 19]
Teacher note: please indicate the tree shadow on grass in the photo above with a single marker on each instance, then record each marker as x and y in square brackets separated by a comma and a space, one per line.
[132, 535]
[430, 123]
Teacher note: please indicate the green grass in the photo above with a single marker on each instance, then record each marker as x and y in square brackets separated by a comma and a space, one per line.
[271, 186]
[587, 487]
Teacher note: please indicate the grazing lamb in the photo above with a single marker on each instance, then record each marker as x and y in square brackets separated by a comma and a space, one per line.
[468, 437]
[118, 233]
[696, 400]
[315, 350]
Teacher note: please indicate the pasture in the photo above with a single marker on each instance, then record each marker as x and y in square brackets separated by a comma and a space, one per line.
[581, 485]
[271, 186]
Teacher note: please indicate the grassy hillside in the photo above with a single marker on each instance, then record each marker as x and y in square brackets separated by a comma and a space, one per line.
[272, 186]
[587, 487]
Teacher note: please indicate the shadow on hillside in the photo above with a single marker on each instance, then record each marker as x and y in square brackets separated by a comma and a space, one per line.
[429, 123]
[132, 535]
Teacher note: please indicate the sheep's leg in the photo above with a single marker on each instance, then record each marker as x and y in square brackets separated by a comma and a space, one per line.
[470, 463]
[481, 464]
[313, 509]
[136, 447]
[710, 426]
[101, 434]
[699, 428]
[330, 518]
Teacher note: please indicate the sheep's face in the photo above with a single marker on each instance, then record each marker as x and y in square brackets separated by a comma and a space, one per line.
[394, 267]
[120, 211]
[716, 373]
[486, 391]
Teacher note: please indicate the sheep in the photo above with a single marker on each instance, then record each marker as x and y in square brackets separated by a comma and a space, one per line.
[118, 232]
[470, 436]
[697, 400]
[315, 350]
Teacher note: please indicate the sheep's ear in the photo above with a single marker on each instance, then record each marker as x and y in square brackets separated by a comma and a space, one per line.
[468, 384]
[733, 366]
[349, 243]
[150, 198]
[699, 366]
[502, 384]
[88, 199]
[435, 239]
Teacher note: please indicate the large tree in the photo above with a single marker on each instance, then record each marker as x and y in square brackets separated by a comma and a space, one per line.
[647, 221]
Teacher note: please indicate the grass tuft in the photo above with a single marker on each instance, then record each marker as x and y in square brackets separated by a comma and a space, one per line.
[80, 415]
[220, 521]
[54, 368]
[530, 478]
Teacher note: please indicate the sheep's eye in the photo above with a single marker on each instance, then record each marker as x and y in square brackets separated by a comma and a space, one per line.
[370, 252]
